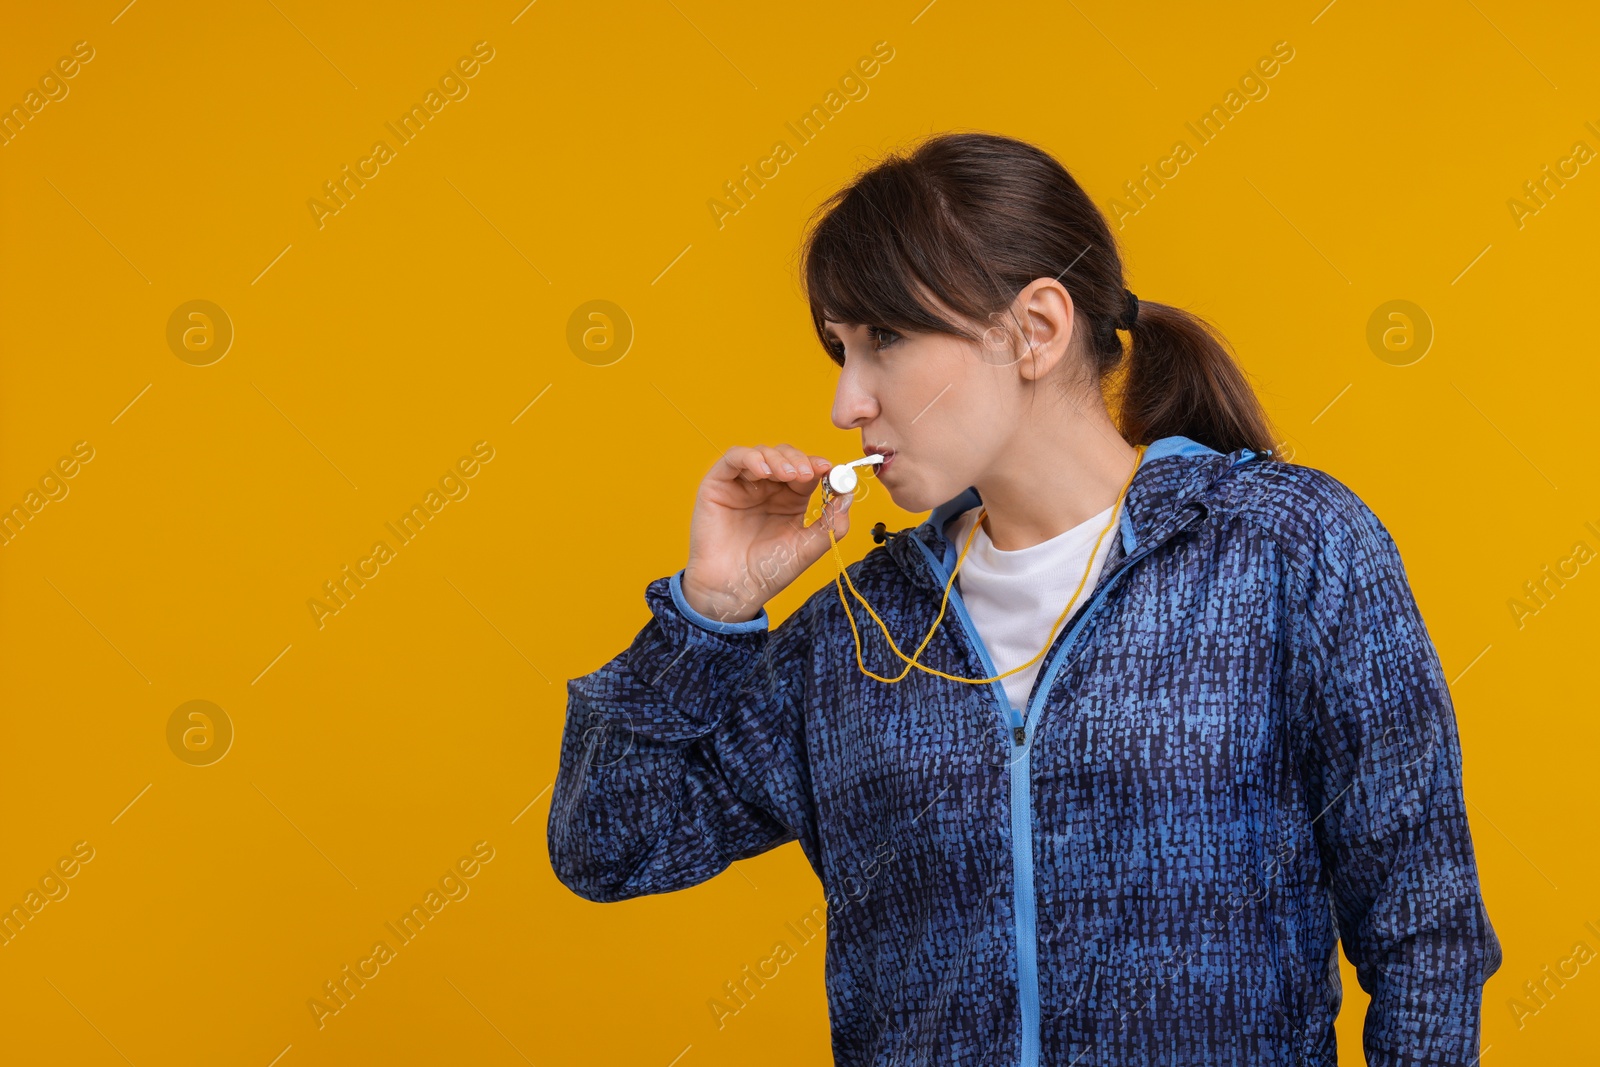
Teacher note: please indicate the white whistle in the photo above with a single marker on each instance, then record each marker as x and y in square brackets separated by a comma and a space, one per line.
[843, 478]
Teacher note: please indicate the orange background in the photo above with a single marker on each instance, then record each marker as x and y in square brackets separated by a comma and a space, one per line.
[431, 312]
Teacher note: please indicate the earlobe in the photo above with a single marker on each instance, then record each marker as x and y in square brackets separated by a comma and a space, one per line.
[1047, 349]
[1035, 341]
[1036, 359]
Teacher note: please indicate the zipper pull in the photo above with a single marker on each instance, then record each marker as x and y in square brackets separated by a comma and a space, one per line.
[1020, 733]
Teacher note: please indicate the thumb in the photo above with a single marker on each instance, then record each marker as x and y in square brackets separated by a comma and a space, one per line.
[835, 516]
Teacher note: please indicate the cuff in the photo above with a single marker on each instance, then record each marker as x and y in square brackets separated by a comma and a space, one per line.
[760, 622]
[685, 676]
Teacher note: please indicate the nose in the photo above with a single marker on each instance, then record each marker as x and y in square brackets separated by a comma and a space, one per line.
[853, 403]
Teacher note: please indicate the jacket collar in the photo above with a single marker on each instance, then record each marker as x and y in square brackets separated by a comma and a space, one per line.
[1173, 478]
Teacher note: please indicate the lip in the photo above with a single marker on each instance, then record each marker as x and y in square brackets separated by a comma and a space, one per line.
[887, 453]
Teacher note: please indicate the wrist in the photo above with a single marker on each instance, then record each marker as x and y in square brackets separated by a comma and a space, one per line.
[724, 608]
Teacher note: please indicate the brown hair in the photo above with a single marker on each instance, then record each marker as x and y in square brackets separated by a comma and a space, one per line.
[972, 218]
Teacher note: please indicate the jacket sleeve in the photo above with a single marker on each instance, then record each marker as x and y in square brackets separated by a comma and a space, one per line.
[684, 753]
[1382, 763]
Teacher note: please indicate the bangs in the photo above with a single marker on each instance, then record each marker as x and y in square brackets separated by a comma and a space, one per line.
[874, 259]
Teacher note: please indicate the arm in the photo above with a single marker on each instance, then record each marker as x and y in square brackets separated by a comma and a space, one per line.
[682, 754]
[1382, 764]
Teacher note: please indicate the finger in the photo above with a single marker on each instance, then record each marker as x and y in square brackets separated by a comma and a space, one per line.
[809, 470]
[781, 462]
[797, 459]
[741, 461]
[820, 465]
[760, 464]
[813, 469]
[835, 516]
[839, 519]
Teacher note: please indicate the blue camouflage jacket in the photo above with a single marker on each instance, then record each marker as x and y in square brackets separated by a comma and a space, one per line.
[1241, 751]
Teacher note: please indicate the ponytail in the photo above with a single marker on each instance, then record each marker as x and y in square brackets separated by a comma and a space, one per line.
[1181, 379]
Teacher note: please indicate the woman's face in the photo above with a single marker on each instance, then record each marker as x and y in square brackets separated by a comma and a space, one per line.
[945, 407]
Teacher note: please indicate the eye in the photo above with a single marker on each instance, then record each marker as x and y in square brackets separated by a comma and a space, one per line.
[880, 337]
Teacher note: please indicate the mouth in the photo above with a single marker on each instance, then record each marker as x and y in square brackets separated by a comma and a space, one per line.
[880, 450]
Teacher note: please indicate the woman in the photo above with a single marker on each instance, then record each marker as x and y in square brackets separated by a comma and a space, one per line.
[1140, 847]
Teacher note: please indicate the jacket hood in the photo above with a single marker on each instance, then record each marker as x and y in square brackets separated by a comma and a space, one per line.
[1174, 479]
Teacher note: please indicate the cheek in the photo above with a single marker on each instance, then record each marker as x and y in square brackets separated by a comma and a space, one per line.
[968, 400]
[969, 433]
[924, 401]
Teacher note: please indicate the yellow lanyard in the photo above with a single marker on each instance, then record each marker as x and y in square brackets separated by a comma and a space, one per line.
[912, 661]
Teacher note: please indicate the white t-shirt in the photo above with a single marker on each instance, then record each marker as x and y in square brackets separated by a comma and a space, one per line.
[1014, 597]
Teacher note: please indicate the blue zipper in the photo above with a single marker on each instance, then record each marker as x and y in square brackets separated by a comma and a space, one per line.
[1021, 733]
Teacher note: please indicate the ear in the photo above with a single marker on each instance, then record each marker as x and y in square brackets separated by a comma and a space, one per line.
[1045, 312]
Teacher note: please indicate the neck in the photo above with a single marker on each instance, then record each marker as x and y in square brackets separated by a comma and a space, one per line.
[1055, 475]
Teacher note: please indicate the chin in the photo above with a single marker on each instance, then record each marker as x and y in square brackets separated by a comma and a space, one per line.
[916, 499]
[910, 493]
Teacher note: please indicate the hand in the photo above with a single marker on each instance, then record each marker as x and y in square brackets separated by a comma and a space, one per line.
[747, 536]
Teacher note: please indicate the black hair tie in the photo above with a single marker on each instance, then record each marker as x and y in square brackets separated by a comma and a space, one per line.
[1130, 312]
